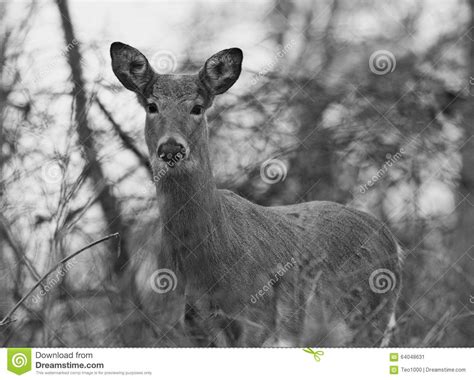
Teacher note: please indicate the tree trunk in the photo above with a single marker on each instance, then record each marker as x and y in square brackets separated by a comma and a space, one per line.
[107, 199]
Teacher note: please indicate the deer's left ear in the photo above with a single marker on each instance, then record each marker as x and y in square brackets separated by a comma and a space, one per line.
[222, 70]
[131, 67]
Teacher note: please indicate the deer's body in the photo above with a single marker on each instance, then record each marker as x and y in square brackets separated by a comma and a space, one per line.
[252, 275]
[328, 250]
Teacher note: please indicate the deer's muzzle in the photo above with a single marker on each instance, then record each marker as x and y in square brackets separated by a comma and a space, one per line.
[171, 151]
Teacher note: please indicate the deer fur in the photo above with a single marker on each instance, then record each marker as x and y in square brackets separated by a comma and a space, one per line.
[294, 275]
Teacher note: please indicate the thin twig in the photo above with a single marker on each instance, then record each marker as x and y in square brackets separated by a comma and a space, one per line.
[14, 246]
[126, 140]
[6, 320]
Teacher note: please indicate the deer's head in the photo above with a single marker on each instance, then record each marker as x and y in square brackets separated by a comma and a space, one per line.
[175, 105]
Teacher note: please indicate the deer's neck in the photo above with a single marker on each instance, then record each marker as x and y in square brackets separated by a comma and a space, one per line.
[192, 219]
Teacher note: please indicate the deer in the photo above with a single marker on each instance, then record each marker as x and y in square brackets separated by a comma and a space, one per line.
[310, 274]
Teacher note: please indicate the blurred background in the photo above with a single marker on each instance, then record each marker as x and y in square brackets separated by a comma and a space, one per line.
[363, 102]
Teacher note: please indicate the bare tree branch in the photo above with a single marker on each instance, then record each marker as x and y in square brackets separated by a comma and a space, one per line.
[109, 203]
[126, 139]
[7, 318]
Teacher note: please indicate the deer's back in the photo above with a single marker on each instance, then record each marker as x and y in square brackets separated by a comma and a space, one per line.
[341, 235]
[338, 253]
[325, 231]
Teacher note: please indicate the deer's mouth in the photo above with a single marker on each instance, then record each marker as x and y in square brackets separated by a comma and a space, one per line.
[172, 151]
[171, 160]
[173, 165]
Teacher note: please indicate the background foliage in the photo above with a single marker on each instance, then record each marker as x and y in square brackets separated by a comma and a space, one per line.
[73, 164]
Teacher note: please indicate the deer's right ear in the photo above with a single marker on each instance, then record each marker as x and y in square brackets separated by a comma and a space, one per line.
[222, 70]
[131, 67]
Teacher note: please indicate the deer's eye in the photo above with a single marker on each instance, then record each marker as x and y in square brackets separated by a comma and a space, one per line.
[152, 108]
[197, 110]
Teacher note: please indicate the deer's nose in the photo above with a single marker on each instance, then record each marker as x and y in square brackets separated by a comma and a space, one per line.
[171, 150]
